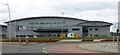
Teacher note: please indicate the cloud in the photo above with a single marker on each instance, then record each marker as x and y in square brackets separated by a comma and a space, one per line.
[109, 15]
[83, 9]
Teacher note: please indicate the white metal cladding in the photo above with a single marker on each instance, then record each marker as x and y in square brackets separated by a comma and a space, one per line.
[54, 23]
[3, 30]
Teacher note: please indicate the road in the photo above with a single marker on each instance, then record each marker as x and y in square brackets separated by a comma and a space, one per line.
[37, 48]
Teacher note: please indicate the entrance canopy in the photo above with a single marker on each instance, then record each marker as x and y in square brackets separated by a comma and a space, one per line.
[50, 30]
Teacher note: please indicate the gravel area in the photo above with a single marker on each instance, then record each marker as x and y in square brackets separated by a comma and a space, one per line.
[103, 47]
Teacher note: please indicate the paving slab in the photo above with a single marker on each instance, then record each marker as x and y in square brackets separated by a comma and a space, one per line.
[71, 40]
[69, 48]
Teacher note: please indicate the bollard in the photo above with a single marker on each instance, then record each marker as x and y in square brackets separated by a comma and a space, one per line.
[27, 41]
[19, 42]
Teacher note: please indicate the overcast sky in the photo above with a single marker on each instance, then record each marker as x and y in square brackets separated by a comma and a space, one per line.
[94, 10]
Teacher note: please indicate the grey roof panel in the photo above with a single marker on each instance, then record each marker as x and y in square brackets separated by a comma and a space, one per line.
[46, 17]
[95, 21]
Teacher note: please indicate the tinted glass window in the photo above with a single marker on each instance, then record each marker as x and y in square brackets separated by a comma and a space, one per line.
[96, 29]
[75, 29]
[90, 34]
[90, 28]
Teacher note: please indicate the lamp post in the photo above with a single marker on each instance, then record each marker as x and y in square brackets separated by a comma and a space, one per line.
[113, 34]
[9, 34]
[118, 35]
[118, 39]
[114, 29]
[99, 31]
[15, 29]
[118, 25]
[62, 24]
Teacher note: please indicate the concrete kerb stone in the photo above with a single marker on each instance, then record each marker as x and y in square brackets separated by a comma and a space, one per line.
[98, 40]
[71, 40]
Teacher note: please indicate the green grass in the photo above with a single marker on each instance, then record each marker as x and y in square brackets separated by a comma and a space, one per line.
[67, 38]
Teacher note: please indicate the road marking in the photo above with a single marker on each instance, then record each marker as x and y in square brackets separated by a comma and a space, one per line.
[44, 50]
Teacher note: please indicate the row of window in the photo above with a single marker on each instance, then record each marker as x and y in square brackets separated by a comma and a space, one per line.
[44, 35]
[96, 29]
[48, 22]
[94, 35]
[75, 29]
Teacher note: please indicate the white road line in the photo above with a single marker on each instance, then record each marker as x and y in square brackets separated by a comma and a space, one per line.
[44, 50]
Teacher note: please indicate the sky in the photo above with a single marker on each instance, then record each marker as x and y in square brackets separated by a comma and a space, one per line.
[93, 10]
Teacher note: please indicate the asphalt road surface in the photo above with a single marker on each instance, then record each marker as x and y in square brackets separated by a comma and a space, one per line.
[37, 48]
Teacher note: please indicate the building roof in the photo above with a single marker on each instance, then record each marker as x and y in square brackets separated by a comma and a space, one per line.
[58, 17]
[3, 25]
[109, 24]
[95, 21]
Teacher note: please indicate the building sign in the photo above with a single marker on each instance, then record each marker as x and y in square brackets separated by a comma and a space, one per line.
[47, 22]
[21, 28]
[94, 23]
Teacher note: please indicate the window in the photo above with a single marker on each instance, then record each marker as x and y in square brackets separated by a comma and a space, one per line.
[91, 29]
[96, 35]
[17, 36]
[96, 29]
[75, 29]
[90, 34]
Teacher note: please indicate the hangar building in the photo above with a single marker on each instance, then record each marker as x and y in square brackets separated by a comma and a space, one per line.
[49, 26]
[3, 31]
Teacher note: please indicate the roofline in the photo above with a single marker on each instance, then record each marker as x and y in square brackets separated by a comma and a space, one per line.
[46, 17]
[3, 25]
[96, 21]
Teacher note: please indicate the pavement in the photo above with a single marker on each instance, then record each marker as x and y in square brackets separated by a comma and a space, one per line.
[69, 48]
[99, 47]
[108, 47]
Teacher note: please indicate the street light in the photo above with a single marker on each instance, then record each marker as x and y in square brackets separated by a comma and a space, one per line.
[114, 29]
[9, 20]
[62, 23]
[118, 24]
[15, 29]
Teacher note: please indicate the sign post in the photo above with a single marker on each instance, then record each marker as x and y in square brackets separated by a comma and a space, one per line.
[118, 36]
[118, 40]
[118, 25]
[19, 41]
[27, 40]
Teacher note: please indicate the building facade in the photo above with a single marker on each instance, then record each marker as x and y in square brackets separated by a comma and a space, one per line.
[50, 26]
[3, 31]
